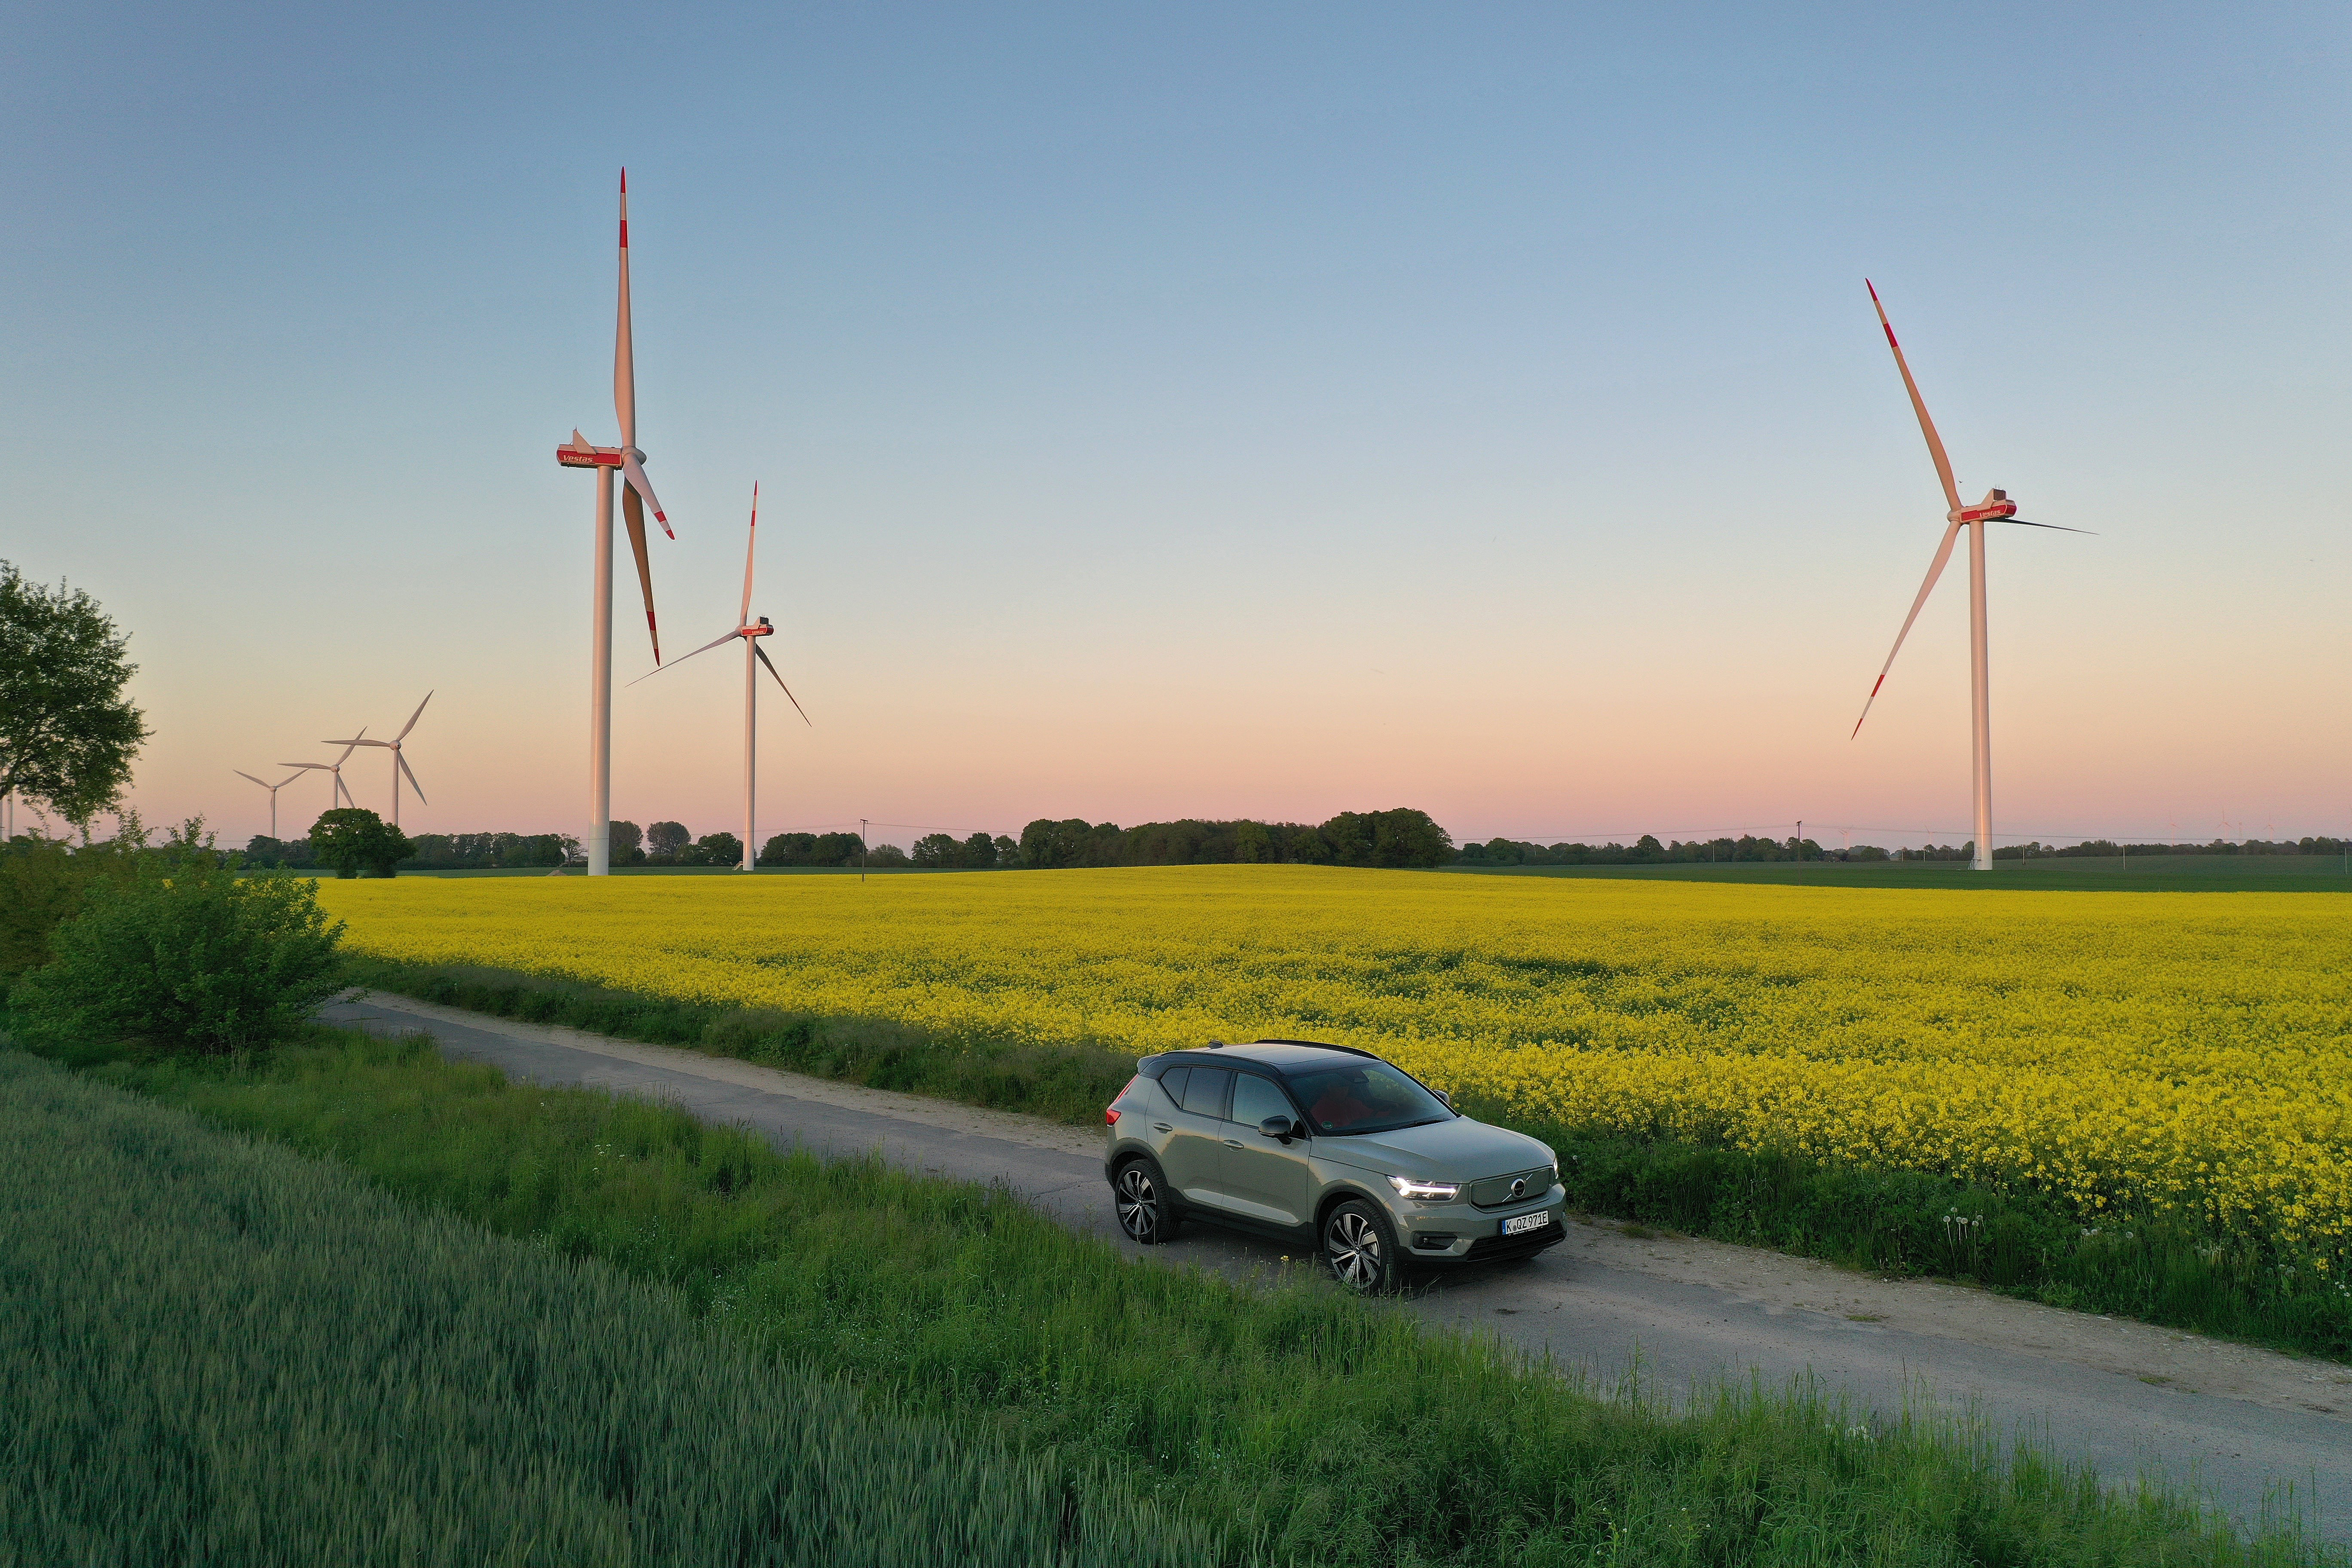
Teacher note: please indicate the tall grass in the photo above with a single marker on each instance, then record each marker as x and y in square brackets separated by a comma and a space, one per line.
[1309, 1426]
[2013, 1239]
[217, 1351]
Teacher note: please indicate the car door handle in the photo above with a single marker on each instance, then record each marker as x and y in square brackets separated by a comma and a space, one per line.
[1162, 1126]
[1233, 1142]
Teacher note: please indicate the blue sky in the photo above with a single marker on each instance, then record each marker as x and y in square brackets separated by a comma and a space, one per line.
[1207, 412]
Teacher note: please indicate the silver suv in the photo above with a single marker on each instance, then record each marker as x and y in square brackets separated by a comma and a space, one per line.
[1324, 1146]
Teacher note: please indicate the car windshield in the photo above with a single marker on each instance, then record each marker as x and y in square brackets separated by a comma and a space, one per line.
[1364, 1097]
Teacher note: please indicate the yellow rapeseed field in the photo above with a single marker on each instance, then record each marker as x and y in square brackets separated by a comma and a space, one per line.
[2183, 1052]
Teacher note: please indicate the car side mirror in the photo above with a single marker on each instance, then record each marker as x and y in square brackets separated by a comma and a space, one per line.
[1443, 1098]
[1280, 1127]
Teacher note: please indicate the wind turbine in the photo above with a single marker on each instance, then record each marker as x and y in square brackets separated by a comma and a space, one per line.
[750, 631]
[399, 764]
[636, 497]
[273, 789]
[335, 767]
[1996, 507]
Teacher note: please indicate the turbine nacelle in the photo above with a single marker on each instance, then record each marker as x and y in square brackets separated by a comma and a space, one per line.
[1996, 507]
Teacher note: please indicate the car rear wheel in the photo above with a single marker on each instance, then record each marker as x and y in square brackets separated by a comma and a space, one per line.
[1145, 1213]
[1359, 1245]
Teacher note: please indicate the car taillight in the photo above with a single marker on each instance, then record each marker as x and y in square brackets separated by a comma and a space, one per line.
[1110, 1117]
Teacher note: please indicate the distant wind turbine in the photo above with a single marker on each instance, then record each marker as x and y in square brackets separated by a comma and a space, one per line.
[273, 789]
[341, 795]
[635, 496]
[1996, 507]
[750, 631]
[399, 764]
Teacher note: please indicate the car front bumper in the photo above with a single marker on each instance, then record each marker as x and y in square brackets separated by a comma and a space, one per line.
[1464, 1233]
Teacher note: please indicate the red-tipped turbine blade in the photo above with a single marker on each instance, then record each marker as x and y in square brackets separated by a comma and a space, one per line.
[1918, 405]
[1935, 570]
[743, 615]
[634, 515]
[625, 364]
[633, 471]
[780, 681]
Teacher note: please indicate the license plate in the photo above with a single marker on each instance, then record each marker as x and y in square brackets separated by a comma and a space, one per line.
[1520, 1224]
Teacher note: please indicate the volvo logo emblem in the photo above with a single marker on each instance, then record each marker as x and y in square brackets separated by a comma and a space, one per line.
[1518, 1186]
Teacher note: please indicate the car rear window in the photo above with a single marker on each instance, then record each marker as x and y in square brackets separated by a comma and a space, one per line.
[1171, 1083]
[1204, 1092]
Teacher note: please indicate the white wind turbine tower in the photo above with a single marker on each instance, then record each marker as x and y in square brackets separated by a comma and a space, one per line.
[273, 789]
[1996, 507]
[340, 794]
[399, 764]
[750, 631]
[635, 496]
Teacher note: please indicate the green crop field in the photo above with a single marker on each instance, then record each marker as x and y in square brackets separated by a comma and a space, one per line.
[1300, 1424]
[218, 1351]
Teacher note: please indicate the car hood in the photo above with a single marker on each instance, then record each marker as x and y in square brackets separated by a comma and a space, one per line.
[1461, 1149]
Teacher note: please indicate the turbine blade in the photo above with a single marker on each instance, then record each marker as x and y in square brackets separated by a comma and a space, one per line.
[1935, 570]
[243, 774]
[404, 728]
[743, 615]
[338, 741]
[2059, 526]
[633, 513]
[282, 784]
[412, 779]
[625, 364]
[780, 681]
[706, 647]
[1918, 405]
[634, 471]
[347, 752]
[305, 765]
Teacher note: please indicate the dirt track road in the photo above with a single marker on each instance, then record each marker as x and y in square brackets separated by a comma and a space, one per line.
[2238, 1425]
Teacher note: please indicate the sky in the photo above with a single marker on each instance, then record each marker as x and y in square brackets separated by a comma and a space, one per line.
[1214, 411]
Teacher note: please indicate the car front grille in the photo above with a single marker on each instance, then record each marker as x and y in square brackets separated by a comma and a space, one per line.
[1495, 1191]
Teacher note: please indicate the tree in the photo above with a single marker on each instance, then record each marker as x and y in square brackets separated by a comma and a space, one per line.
[718, 849]
[628, 843]
[351, 837]
[67, 734]
[665, 839]
[937, 851]
[978, 852]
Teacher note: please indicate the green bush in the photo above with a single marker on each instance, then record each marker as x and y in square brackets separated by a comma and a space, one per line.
[42, 882]
[185, 953]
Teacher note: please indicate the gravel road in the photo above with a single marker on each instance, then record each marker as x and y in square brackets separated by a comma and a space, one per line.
[2246, 1428]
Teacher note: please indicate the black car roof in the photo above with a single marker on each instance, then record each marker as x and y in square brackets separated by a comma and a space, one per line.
[1282, 1057]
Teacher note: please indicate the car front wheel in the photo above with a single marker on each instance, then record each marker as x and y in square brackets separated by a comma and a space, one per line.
[1142, 1198]
[1360, 1246]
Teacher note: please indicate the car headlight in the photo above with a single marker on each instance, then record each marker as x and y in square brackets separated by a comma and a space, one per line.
[1436, 1192]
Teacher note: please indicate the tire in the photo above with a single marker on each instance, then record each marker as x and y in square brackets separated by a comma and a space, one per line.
[1360, 1247]
[1146, 1213]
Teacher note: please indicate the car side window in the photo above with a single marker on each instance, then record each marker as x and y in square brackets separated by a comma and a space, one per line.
[1255, 1099]
[1171, 1082]
[1204, 1092]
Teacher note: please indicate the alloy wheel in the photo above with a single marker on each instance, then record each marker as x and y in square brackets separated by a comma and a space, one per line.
[1139, 1205]
[1353, 1244]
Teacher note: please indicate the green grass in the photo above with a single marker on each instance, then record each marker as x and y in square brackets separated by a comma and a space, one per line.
[2146, 874]
[1309, 1425]
[217, 1351]
[2029, 1244]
